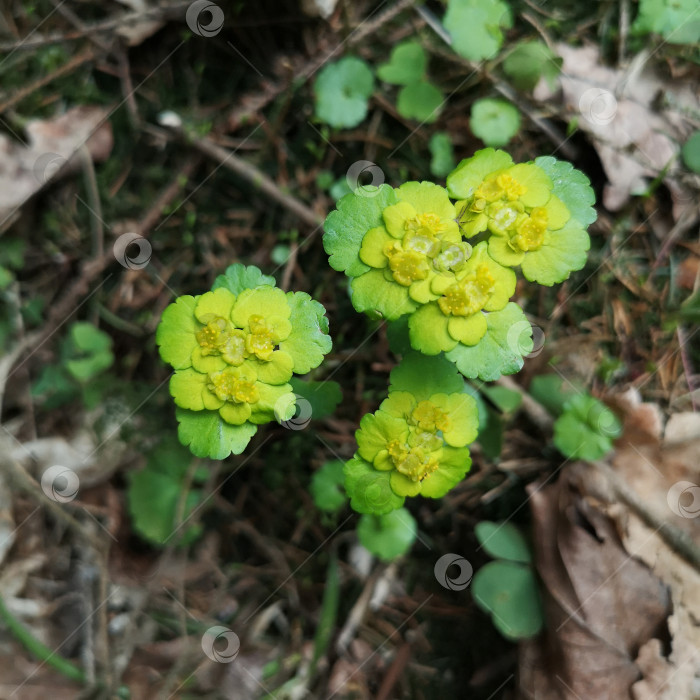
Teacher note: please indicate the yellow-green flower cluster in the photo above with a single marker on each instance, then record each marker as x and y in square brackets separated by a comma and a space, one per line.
[411, 447]
[228, 352]
[447, 264]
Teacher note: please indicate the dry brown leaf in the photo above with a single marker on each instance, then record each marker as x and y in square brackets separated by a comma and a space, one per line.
[53, 149]
[601, 605]
[635, 139]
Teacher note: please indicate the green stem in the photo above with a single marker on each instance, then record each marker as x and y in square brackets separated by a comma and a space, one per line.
[39, 649]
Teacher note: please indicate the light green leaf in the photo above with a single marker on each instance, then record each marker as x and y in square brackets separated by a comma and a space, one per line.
[175, 334]
[369, 489]
[475, 27]
[552, 392]
[563, 252]
[529, 61]
[342, 90]
[89, 351]
[691, 152]
[586, 429]
[406, 65]
[508, 591]
[387, 536]
[495, 122]
[238, 277]
[208, 435]
[443, 159]
[423, 376]
[309, 341]
[500, 351]
[372, 293]
[572, 187]
[323, 397]
[421, 101]
[154, 494]
[345, 227]
[507, 400]
[503, 541]
[327, 486]
[678, 21]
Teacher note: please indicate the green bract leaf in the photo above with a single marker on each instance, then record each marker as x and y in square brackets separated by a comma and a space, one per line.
[238, 277]
[443, 160]
[475, 27]
[691, 152]
[422, 101]
[372, 293]
[208, 435]
[552, 392]
[572, 187]
[342, 90]
[529, 61]
[323, 397]
[387, 536]
[495, 122]
[503, 541]
[586, 429]
[155, 492]
[424, 376]
[345, 227]
[508, 591]
[508, 337]
[309, 340]
[369, 489]
[327, 487]
[507, 400]
[89, 351]
[406, 65]
[678, 21]
[471, 172]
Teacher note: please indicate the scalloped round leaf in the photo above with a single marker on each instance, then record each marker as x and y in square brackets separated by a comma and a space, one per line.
[471, 172]
[238, 277]
[327, 486]
[342, 90]
[691, 152]
[442, 159]
[175, 334]
[420, 101]
[423, 375]
[372, 293]
[475, 27]
[309, 341]
[508, 337]
[529, 61]
[345, 228]
[586, 429]
[406, 65]
[572, 187]
[369, 489]
[207, 434]
[563, 252]
[387, 536]
[508, 592]
[495, 122]
[503, 541]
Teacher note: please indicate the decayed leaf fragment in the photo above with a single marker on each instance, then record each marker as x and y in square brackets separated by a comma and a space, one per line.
[601, 604]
